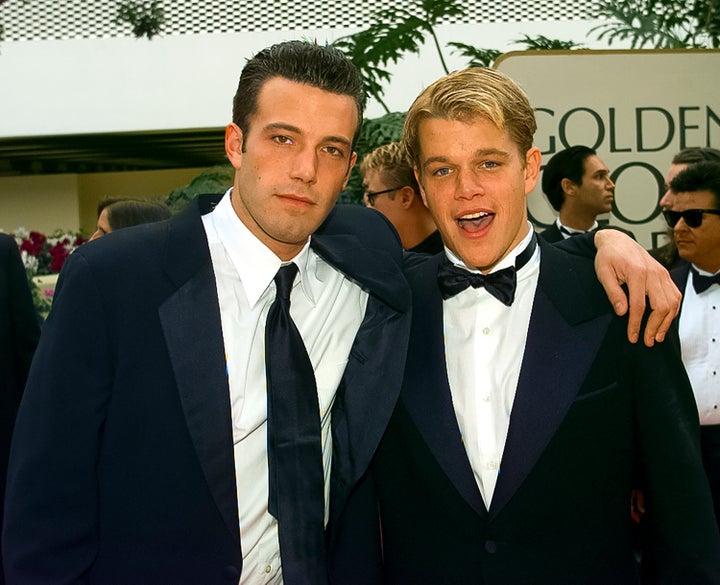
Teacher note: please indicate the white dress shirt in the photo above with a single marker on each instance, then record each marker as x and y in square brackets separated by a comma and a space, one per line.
[700, 346]
[484, 346]
[327, 309]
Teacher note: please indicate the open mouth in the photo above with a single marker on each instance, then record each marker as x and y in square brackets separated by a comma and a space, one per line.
[474, 222]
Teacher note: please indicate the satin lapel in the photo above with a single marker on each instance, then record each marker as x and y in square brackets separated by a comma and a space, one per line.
[561, 346]
[372, 378]
[679, 276]
[191, 323]
[426, 390]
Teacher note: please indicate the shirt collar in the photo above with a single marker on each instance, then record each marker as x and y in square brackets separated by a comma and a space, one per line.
[508, 260]
[704, 272]
[255, 263]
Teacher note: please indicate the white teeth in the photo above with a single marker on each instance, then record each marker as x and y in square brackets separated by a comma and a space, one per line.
[477, 215]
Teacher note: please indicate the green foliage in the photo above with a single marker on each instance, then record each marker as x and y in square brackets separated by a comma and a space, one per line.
[661, 24]
[375, 132]
[543, 43]
[395, 32]
[399, 31]
[475, 56]
[215, 180]
[146, 19]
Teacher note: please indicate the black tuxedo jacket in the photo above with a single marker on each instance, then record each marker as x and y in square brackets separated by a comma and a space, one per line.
[679, 275]
[19, 333]
[589, 407]
[552, 234]
[122, 465]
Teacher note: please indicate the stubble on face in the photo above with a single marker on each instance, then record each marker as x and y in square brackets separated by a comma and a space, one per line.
[292, 163]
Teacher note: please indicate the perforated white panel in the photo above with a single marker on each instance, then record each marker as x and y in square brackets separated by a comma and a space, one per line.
[33, 20]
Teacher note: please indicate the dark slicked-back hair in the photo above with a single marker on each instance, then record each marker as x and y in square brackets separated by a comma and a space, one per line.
[704, 176]
[693, 155]
[326, 68]
[566, 164]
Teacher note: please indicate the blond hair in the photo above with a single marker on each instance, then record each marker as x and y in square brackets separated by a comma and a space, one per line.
[477, 92]
[393, 164]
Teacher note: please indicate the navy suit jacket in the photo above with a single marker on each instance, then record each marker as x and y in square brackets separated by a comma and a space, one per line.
[19, 333]
[589, 407]
[122, 465]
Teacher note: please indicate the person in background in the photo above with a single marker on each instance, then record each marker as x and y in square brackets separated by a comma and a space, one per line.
[578, 185]
[391, 188]
[121, 213]
[19, 333]
[667, 254]
[695, 221]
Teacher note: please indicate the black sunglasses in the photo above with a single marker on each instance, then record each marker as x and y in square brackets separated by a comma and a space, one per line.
[372, 195]
[693, 217]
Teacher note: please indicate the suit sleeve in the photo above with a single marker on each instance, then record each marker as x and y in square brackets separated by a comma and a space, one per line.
[25, 323]
[584, 244]
[683, 534]
[51, 524]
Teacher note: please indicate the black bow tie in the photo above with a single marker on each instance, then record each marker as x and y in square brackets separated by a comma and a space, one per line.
[501, 284]
[701, 282]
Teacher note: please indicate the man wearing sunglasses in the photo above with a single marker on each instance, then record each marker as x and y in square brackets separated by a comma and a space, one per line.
[391, 188]
[695, 220]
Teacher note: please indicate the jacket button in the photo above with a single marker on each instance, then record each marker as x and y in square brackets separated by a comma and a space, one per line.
[491, 547]
[230, 573]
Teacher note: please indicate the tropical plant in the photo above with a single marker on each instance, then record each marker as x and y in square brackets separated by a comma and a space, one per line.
[395, 32]
[212, 181]
[661, 24]
[145, 18]
[375, 132]
[398, 31]
[543, 43]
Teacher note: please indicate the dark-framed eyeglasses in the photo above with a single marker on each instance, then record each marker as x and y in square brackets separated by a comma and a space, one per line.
[693, 217]
[372, 195]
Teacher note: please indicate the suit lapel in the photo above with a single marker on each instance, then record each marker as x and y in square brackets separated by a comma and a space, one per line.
[679, 276]
[564, 336]
[191, 323]
[371, 381]
[426, 390]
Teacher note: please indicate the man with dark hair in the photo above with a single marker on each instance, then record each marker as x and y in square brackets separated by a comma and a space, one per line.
[578, 185]
[695, 220]
[208, 391]
[147, 449]
[667, 254]
[391, 188]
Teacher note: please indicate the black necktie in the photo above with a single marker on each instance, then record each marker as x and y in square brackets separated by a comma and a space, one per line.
[501, 284]
[701, 282]
[296, 494]
[566, 231]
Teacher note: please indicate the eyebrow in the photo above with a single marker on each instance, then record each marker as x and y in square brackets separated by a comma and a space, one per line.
[482, 152]
[290, 128]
